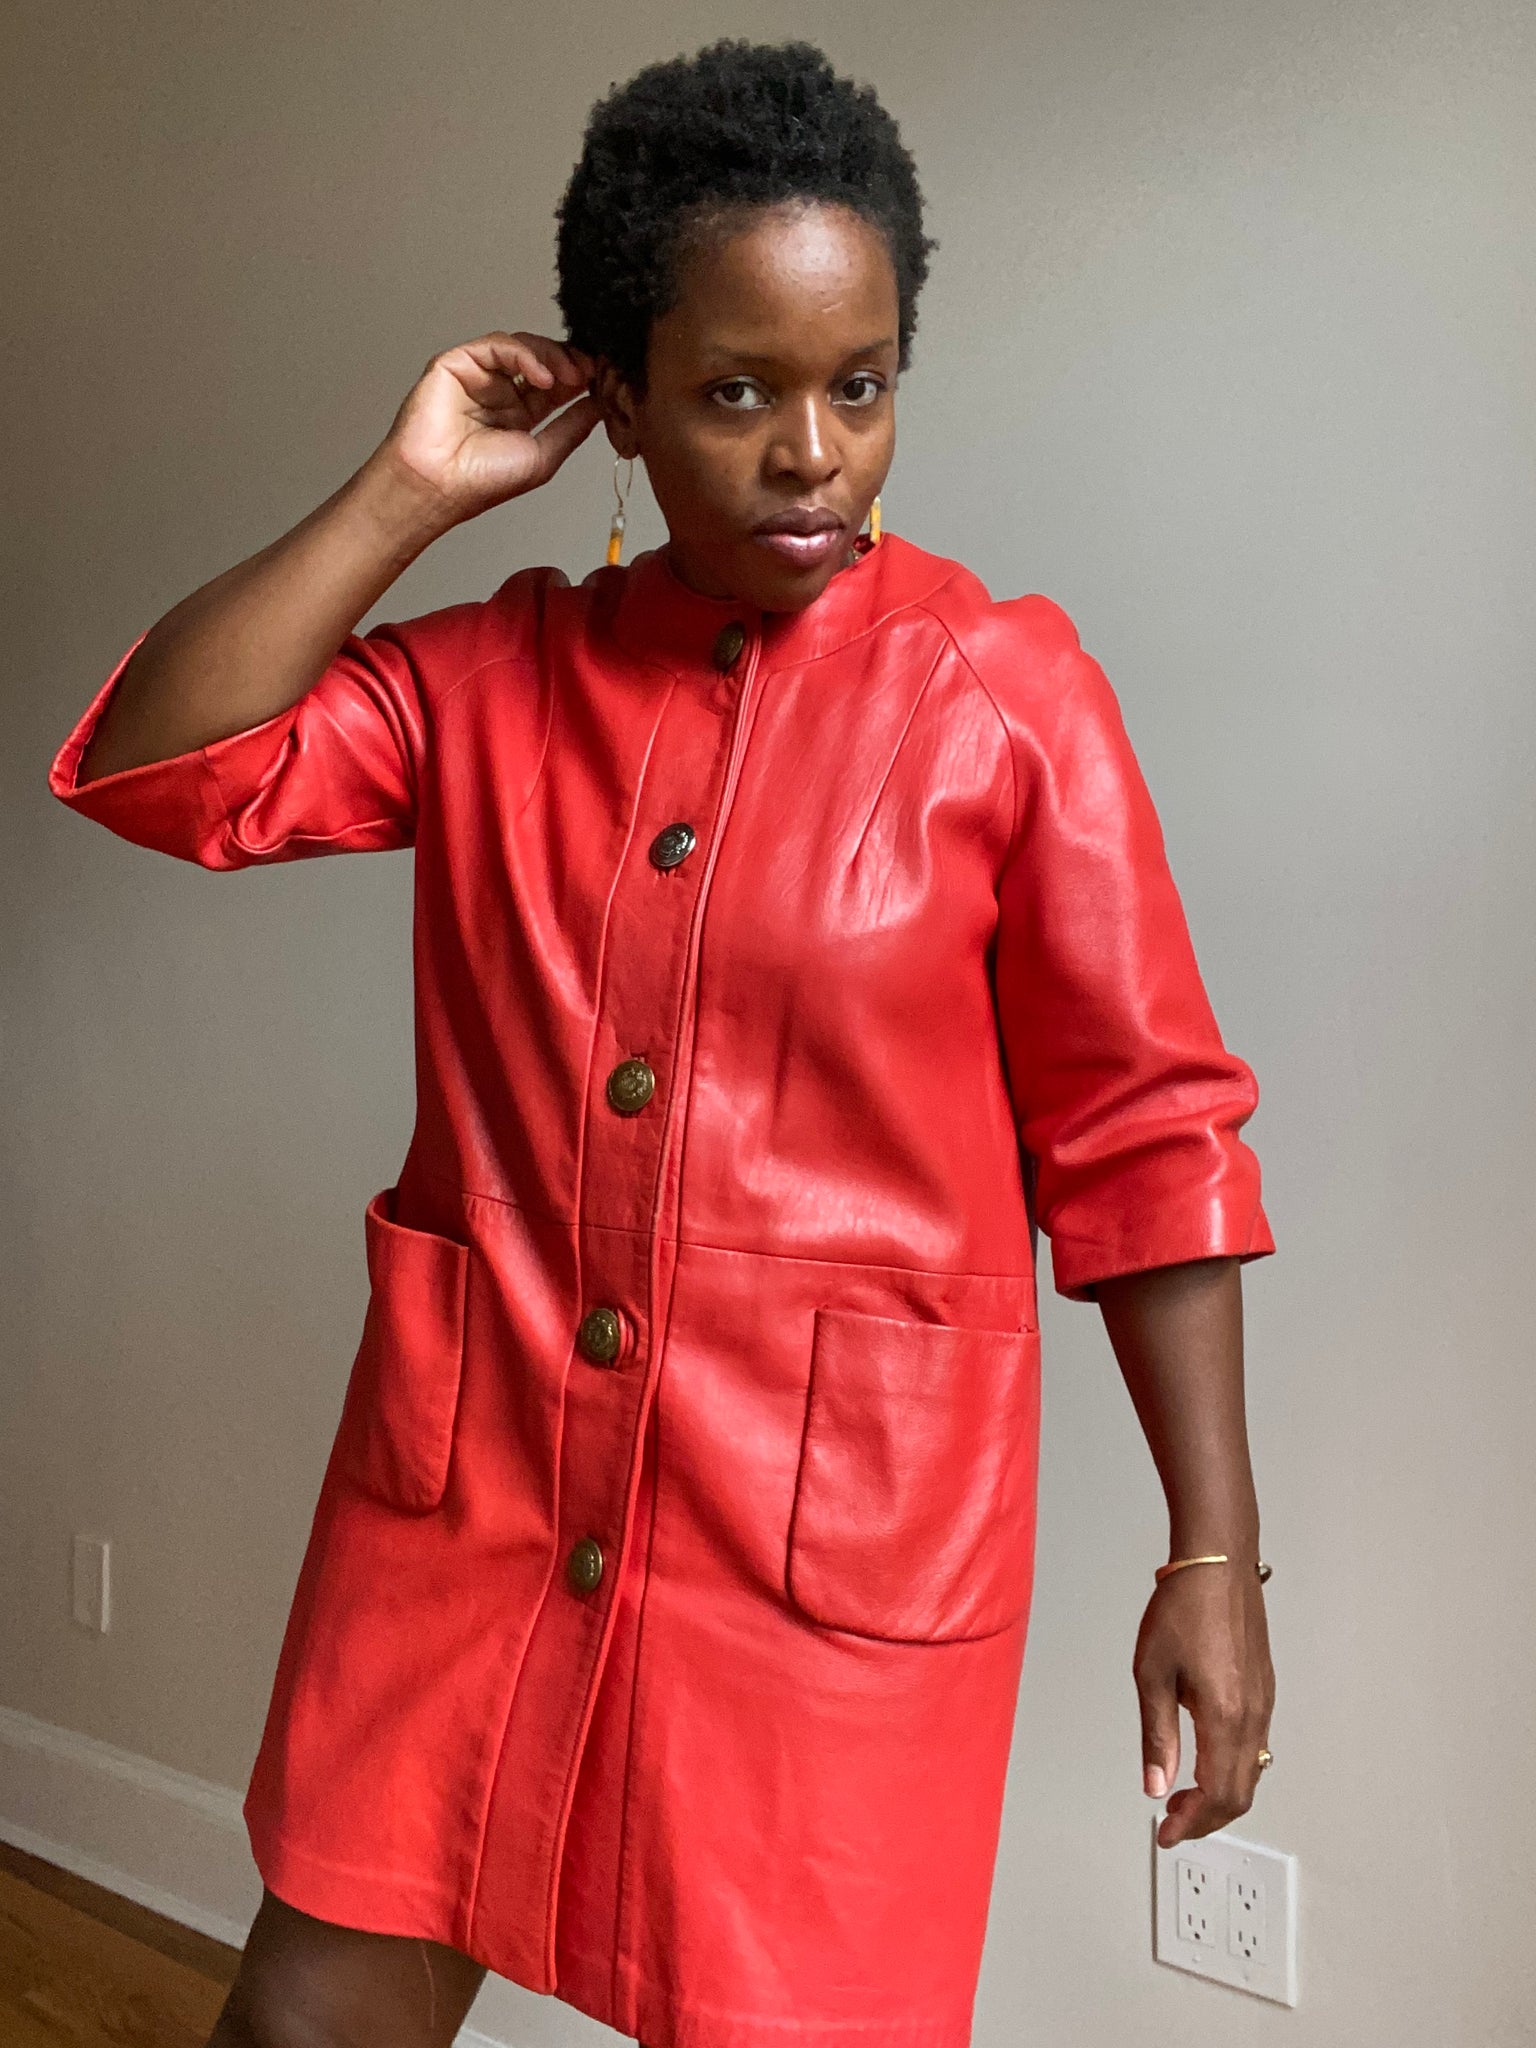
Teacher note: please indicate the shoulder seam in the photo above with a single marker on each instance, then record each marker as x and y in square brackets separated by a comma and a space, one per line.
[479, 669]
[997, 711]
[896, 611]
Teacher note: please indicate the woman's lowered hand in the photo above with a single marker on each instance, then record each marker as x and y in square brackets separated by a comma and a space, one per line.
[1177, 1331]
[1204, 1646]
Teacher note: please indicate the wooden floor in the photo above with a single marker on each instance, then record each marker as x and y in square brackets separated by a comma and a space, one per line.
[82, 1968]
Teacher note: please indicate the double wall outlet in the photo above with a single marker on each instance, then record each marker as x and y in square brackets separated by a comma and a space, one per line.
[1226, 1910]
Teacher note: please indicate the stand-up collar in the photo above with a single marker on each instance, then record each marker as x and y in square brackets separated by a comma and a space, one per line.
[658, 617]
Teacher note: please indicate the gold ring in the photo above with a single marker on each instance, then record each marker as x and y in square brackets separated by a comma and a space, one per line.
[519, 380]
[1265, 1759]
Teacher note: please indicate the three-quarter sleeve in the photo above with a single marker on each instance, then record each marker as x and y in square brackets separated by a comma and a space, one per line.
[336, 772]
[1127, 1101]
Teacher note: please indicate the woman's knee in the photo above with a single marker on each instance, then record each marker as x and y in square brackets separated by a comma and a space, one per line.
[264, 2013]
[306, 1983]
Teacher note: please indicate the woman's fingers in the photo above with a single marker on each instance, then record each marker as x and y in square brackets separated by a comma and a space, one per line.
[564, 433]
[567, 365]
[1230, 1731]
[494, 417]
[1204, 1647]
[1182, 1818]
[507, 374]
[1222, 1776]
[1159, 1698]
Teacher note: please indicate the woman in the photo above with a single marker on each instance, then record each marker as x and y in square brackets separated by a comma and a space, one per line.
[792, 930]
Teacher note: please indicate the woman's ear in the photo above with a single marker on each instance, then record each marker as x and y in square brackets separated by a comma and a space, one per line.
[618, 408]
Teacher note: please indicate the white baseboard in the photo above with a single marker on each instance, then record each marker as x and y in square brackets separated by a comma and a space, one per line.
[166, 1840]
[160, 1837]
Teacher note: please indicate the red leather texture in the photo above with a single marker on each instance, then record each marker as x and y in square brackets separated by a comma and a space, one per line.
[680, 1681]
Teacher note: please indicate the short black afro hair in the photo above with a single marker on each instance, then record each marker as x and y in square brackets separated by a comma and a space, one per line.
[739, 125]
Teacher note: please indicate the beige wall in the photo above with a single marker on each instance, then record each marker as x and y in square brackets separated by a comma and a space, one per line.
[1228, 347]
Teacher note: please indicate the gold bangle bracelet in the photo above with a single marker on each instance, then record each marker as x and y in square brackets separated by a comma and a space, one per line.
[1180, 1564]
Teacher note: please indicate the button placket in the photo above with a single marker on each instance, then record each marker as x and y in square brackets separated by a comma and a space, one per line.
[684, 767]
[648, 956]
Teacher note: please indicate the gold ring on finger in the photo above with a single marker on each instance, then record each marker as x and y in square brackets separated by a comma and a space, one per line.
[1266, 1758]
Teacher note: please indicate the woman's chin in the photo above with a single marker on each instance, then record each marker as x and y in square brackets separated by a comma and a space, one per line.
[781, 584]
[769, 579]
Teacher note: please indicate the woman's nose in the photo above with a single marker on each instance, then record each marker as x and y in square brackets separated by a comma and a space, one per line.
[806, 445]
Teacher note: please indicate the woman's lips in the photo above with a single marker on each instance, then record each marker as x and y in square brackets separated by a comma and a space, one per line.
[804, 550]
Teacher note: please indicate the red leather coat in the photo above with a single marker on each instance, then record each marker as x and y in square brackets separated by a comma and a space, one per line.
[772, 973]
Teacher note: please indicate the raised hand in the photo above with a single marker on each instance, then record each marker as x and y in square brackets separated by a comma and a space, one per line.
[484, 422]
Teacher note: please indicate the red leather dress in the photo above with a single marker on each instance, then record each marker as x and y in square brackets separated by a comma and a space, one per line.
[773, 974]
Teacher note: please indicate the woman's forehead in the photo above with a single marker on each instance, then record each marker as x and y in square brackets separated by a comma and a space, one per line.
[815, 278]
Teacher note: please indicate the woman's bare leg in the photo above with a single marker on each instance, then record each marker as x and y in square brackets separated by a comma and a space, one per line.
[305, 1983]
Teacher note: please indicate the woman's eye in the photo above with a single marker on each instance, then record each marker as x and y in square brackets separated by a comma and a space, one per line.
[863, 389]
[740, 394]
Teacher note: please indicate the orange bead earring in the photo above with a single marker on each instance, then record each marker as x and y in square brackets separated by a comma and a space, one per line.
[874, 524]
[616, 524]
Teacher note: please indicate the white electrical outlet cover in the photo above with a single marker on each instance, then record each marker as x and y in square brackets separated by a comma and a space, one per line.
[1226, 1911]
[91, 1583]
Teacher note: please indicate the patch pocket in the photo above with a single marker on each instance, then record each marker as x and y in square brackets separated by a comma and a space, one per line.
[914, 1506]
[403, 1394]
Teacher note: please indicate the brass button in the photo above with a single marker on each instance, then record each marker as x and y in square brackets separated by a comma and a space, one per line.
[630, 1087]
[672, 846]
[728, 645]
[600, 1335]
[584, 1566]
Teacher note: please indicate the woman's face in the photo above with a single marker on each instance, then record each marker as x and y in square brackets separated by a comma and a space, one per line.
[768, 421]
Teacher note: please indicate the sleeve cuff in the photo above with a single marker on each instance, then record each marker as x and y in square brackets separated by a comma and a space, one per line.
[179, 805]
[1161, 1237]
